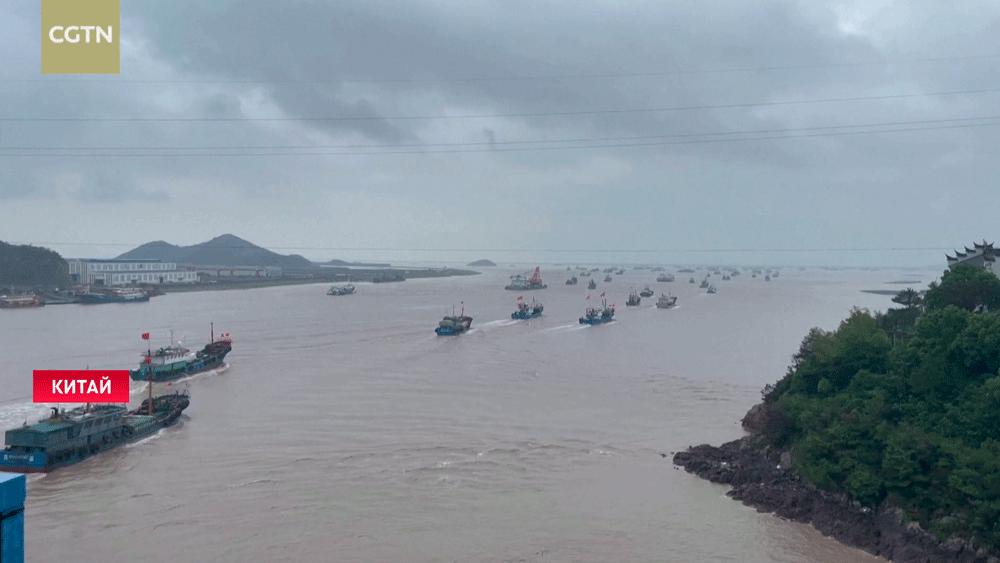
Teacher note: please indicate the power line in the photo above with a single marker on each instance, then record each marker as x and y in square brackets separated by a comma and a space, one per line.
[502, 150]
[481, 116]
[492, 143]
[507, 78]
[564, 250]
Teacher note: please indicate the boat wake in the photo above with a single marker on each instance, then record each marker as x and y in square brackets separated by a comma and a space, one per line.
[561, 327]
[498, 323]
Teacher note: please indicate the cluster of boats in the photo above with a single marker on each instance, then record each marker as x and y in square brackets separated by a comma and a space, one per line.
[84, 295]
[67, 437]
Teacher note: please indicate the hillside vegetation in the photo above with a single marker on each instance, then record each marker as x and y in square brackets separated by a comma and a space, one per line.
[904, 407]
[29, 266]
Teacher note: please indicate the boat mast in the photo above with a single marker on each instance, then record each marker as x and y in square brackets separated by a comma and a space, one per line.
[213, 332]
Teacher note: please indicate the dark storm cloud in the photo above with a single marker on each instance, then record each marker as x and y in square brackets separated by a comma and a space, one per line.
[380, 60]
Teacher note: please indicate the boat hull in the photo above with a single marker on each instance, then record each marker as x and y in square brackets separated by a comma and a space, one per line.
[526, 288]
[519, 316]
[191, 368]
[595, 320]
[449, 331]
[39, 462]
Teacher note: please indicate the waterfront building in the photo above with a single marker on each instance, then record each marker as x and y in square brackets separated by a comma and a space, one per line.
[235, 271]
[114, 272]
[981, 256]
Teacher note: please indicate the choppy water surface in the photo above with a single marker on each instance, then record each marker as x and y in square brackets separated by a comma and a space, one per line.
[345, 430]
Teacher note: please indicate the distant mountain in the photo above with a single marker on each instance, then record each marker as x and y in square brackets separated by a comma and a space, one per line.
[225, 250]
[482, 263]
[27, 265]
[336, 262]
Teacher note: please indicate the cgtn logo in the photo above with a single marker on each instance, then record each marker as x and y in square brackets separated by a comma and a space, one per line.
[81, 386]
[71, 34]
[81, 37]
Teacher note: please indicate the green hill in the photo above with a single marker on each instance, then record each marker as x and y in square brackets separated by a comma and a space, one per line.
[29, 266]
[903, 407]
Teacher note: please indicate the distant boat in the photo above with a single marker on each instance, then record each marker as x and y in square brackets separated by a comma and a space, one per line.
[704, 283]
[666, 301]
[455, 324]
[633, 299]
[20, 301]
[592, 285]
[585, 274]
[774, 275]
[726, 277]
[341, 290]
[598, 316]
[685, 271]
[572, 281]
[691, 280]
[646, 292]
[123, 295]
[767, 278]
[525, 311]
[607, 278]
[621, 272]
[520, 283]
[711, 289]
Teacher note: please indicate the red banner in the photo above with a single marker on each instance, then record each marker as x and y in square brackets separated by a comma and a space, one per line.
[81, 386]
[145, 336]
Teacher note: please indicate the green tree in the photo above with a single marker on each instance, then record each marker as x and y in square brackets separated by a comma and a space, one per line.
[966, 287]
[909, 298]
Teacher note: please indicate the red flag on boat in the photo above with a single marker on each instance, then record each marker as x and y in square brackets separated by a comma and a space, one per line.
[145, 336]
[587, 299]
[602, 294]
[520, 298]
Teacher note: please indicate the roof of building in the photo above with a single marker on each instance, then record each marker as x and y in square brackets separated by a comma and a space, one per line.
[116, 260]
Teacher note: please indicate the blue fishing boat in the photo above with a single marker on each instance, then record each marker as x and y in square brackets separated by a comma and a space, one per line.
[599, 316]
[124, 295]
[176, 361]
[454, 324]
[525, 311]
[69, 437]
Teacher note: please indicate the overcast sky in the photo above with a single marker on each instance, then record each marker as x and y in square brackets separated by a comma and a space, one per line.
[457, 183]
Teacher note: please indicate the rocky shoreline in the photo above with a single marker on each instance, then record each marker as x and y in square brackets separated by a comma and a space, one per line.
[759, 479]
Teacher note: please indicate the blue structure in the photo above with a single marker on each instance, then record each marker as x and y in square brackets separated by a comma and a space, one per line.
[13, 491]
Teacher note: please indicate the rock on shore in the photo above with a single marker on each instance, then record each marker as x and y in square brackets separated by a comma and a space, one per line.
[759, 480]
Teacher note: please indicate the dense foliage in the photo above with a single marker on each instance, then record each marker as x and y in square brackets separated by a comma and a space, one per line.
[916, 422]
[29, 266]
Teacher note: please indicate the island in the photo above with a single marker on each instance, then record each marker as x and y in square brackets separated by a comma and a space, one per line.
[884, 433]
[482, 264]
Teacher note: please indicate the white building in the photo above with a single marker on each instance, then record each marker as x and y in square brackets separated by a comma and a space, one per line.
[981, 256]
[90, 271]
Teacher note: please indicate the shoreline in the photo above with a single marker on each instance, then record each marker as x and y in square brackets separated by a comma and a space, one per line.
[760, 480]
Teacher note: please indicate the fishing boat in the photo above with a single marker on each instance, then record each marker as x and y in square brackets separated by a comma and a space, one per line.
[592, 285]
[691, 280]
[607, 278]
[341, 290]
[704, 283]
[646, 292]
[454, 324]
[595, 316]
[525, 311]
[585, 274]
[572, 281]
[69, 437]
[176, 361]
[711, 289]
[621, 272]
[726, 278]
[666, 301]
[20, 301]
[774, 275]
[118, 295]
[767, 278]
[522, 283]
[685, 270]
[633, 300]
